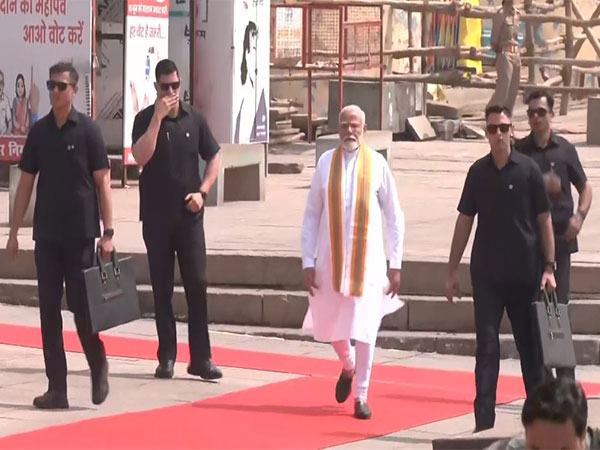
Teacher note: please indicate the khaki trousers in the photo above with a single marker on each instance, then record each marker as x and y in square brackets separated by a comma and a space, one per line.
[508, 67]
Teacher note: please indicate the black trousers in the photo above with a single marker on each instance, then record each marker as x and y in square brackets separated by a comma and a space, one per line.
[57, 262]
[563, 286]
[490, 300]
[183, 236]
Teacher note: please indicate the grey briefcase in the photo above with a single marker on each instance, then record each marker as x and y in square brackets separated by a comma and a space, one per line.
[554, 329]
[111, 292]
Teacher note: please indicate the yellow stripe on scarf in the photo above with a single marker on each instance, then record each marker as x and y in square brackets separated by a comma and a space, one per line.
[361, 220]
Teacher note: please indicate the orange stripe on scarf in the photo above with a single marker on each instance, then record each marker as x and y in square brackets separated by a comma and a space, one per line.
[361, 220]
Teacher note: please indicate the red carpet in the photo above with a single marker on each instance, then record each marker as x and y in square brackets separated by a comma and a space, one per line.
[299, 413]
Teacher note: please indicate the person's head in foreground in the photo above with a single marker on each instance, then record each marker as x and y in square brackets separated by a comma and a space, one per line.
[555, 416]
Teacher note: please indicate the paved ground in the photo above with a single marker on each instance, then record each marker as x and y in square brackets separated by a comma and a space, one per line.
[133, 388]
[429, 176]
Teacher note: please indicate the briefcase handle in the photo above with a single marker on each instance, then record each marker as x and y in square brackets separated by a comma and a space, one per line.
[550, 300]
[115, 260]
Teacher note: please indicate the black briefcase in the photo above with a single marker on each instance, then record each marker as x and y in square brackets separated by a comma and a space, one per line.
[111, 292]
[554, 329]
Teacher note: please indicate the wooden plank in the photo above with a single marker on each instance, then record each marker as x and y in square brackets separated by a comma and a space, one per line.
[588, 31]
[579, 44]
[287, 139]
[285, 102]
[283, 132]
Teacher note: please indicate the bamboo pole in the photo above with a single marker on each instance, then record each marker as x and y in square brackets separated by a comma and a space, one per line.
[562, 61]
[588, 32]
[529, 44]
[579, 44]
[448, 78]
[425, 33]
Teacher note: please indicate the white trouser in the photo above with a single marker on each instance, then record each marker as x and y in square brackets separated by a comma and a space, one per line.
[360, 364]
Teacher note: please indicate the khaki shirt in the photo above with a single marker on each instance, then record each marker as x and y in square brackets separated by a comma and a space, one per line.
[505, 29]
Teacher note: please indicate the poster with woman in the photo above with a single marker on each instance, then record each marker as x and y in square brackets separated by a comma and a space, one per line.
[39, 34]
[231, 49]
[251, 70]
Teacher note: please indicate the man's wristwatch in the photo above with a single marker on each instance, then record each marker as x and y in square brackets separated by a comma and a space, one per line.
[550, 265]
[109, 232]
[203, 194]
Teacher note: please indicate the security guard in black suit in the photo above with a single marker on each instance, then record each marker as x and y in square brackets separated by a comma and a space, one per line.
[559, 162]
[506, 191]
[168, 138]
[66, 150]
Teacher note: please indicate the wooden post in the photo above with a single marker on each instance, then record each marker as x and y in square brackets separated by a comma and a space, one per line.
[587, 30]
[529, 45]
[425, 33]
[567, 70]
[411, 42]
[341, 54]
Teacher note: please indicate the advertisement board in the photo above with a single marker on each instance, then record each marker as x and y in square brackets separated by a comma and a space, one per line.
[39, 33]
[146, 43]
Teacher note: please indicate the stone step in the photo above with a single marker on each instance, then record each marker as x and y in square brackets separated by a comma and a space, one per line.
[245, 306]
[587, 347]
[282, 308]
[284, 271]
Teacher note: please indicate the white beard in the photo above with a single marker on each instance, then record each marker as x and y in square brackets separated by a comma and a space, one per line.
[350, 145]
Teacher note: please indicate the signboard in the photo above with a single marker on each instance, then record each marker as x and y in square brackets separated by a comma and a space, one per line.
[231, 68]
[146, 43]
[37, 34]
[252, 21]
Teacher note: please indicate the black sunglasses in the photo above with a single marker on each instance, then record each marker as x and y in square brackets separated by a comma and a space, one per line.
[493, 128]
[175, 85]
[61, 85]
[541, 112]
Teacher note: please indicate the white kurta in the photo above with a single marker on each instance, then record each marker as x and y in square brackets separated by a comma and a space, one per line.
[331, 315]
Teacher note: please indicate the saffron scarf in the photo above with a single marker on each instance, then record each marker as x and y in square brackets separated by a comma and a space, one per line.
[359, 227]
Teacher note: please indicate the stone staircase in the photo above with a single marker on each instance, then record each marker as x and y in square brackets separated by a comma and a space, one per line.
[262, 294]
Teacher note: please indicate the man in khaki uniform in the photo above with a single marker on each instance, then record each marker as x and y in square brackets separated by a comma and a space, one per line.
[505, 43]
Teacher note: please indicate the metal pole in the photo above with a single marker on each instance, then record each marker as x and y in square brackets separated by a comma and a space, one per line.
[308, 16]
[341, 60]
[381, 68]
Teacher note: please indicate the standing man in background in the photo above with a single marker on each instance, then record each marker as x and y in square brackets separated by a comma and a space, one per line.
[168, 138]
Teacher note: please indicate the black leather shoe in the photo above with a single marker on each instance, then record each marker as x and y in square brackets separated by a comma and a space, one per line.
[165, 369]
[343, 388]
[100, 385]
[52, 400]
[205, 370]
[361, 410]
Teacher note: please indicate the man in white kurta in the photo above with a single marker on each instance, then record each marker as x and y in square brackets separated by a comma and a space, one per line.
[343, 253]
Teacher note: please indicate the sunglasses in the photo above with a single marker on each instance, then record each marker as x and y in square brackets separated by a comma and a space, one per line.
[165, 86]
[541, 112]
[61, 85]
[493, 128]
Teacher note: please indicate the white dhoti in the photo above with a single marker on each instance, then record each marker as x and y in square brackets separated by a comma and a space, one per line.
[337, 316]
